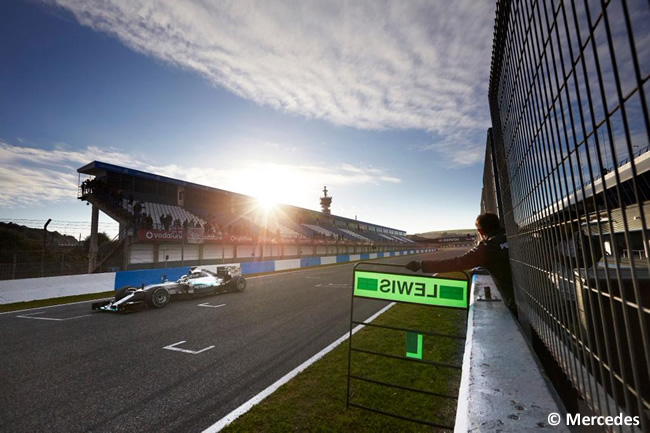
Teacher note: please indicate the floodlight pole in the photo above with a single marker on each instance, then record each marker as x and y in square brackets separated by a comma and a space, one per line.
[44, 246]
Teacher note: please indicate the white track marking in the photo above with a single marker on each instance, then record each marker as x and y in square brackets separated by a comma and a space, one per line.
[192, 352]
[223, 422]
[29, 316]
[205, 304]
[333, 285]
[57, 305]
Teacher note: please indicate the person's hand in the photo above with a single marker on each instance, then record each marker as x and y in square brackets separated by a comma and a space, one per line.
[414, 266]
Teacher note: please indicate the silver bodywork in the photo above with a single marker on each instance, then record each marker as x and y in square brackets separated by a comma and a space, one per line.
[200, 280]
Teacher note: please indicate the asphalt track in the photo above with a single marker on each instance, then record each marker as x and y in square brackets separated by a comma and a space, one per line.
[71, 369]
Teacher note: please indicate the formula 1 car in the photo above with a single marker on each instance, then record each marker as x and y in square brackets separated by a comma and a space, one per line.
[199, 281]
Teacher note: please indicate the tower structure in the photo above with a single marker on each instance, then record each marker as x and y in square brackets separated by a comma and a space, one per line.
[325, 202]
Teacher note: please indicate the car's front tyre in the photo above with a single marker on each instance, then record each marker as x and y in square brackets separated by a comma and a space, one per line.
[157, 297]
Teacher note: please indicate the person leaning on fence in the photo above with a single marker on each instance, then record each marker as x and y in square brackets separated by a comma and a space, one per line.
[491, 253]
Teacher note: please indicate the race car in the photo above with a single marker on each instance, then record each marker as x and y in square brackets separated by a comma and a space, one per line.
[199, 281]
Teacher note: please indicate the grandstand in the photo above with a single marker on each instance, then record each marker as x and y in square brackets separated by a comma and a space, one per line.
[171, 221]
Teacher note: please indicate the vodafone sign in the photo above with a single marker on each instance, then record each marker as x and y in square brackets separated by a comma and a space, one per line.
[159, 235]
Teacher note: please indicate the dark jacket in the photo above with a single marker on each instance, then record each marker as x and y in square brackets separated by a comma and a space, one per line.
[492, 254]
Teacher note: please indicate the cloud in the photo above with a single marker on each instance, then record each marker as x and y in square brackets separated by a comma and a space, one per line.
[371, 64]
[31, 176]
[35, 176]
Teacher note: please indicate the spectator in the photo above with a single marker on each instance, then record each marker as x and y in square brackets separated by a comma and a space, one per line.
[491, 253]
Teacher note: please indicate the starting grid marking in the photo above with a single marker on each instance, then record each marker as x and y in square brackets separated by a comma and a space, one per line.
[339, 285]
[207, 304]
[174, 348]
[30, 316]
[191, 352]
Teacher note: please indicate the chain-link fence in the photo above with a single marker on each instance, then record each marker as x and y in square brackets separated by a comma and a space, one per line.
[568, 97]
[31, 251]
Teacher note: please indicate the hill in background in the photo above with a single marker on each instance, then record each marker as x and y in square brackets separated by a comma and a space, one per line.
[26, 238]
[446, 233]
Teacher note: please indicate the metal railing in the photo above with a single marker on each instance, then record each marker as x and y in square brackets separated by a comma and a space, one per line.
[570, 129]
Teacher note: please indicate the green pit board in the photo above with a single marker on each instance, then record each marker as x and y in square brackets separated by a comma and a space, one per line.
[415, 289]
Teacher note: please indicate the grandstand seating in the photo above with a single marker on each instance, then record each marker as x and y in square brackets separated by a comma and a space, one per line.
[356, 235]
[273, 226]
[156, 210]
[323, 231]
[338, 232]
[298, 228]
[377, 237]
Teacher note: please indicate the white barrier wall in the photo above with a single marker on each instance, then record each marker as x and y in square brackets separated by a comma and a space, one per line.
[328, 260]
[30, 289]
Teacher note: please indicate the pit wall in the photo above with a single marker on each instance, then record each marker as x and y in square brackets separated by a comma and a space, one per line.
[503, 387]
[32, 289]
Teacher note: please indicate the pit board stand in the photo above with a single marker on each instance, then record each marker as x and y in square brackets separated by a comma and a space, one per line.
[404, 288]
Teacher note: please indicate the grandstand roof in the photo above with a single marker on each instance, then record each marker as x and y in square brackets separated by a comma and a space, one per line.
[98, 168]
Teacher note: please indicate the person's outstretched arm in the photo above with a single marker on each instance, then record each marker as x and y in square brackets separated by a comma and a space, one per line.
[471, 259]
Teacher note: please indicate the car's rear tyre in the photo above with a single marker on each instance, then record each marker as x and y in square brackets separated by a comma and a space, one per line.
[157, 297]
[237, 284]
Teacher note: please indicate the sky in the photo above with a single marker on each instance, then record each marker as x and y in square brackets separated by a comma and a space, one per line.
[384, 102]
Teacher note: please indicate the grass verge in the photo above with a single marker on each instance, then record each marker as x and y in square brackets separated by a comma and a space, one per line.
[315, 400]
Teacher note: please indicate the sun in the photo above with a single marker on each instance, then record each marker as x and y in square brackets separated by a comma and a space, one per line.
[266, 204]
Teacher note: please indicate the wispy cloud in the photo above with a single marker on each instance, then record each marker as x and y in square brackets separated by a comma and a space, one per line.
[367, 64]
[32, 176]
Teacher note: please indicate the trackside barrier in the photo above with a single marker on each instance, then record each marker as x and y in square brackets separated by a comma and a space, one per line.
[152, 276]
[412, 289]
[31, 289]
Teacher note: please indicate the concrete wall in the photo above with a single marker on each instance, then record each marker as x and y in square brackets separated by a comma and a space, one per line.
[503, 387]
[31, 289]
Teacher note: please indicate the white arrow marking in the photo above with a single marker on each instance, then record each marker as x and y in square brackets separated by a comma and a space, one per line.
[29, 316]
[192, 352]
[205, 304]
